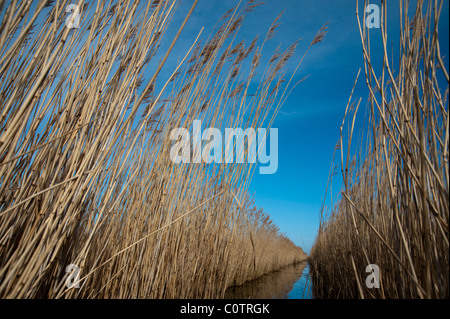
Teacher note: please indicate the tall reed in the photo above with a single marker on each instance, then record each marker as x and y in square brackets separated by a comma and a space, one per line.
[394, 205]
[85, 170]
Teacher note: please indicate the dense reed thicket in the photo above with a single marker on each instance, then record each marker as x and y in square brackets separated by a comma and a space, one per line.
[394, 205]
[85, 170]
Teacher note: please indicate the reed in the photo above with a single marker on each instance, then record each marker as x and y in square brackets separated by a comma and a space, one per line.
[85, 170]
[393, 210]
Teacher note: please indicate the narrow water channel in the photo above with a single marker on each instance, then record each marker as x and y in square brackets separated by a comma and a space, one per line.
[291, 282]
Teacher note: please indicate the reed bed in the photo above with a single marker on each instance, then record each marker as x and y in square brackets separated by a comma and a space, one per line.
[85, 170]
[393, 209]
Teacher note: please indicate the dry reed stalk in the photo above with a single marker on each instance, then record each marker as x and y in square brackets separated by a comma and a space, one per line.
[86, 176]
[394, 209]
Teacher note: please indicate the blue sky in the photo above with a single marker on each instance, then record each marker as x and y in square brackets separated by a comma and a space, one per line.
[309, 121]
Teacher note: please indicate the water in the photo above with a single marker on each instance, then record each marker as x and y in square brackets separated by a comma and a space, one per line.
[291, 282]
[302, 287]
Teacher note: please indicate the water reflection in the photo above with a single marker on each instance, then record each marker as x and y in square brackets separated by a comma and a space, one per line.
[302, 287]
[291, 282]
